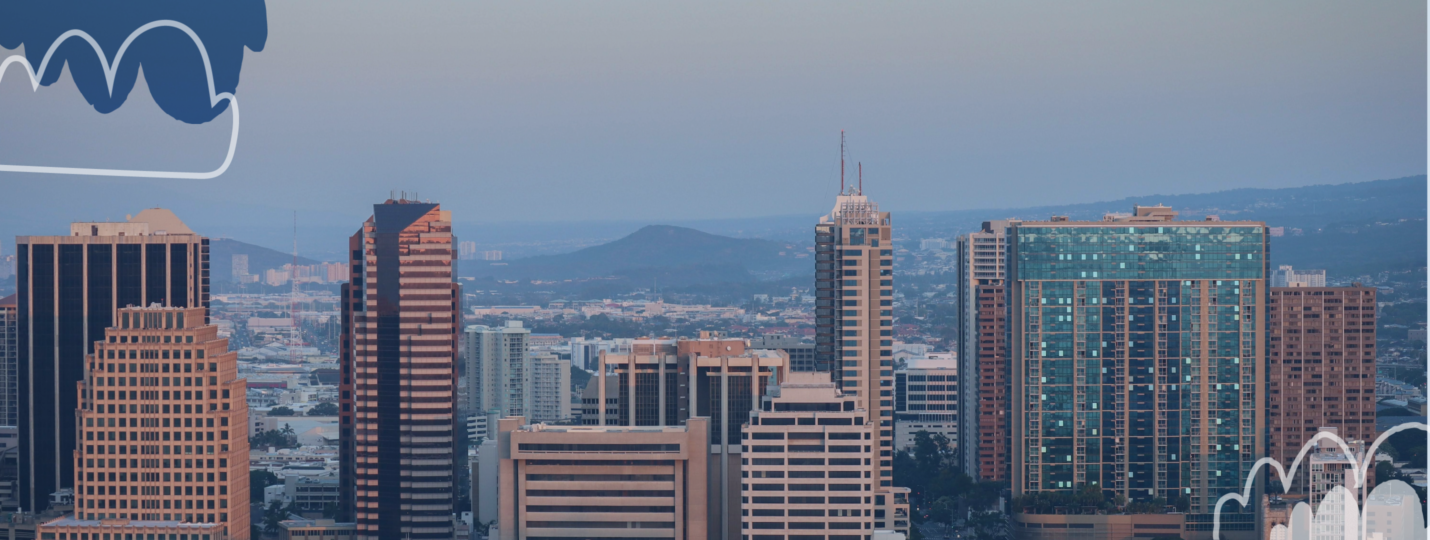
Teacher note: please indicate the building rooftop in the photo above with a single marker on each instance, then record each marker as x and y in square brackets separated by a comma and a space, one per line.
[9, 300]
[71, 521]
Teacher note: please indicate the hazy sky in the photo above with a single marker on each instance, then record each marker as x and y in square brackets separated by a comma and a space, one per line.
[540, 111]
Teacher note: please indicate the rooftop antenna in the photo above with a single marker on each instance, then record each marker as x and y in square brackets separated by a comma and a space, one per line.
[861, 177]
[841, 162]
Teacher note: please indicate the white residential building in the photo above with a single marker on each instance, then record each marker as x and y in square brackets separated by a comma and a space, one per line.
[926, 399]
[498, 369]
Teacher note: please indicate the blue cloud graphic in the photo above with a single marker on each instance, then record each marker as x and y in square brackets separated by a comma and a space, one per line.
[173, 66]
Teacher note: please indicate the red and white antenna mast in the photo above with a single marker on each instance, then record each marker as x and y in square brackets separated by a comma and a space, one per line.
[861, 178]
[293, 296]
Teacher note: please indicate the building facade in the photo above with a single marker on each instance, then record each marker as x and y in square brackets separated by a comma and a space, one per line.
[1138, 358]
[854, 303]
[801, 354]
[806, 467]
[1285, 276]
[499, 370]
[9, 361]
[926, 399]
[187, 430]
[1320, 367]
[601, 482]
[68, 291]
[983, 352]
[399, 374]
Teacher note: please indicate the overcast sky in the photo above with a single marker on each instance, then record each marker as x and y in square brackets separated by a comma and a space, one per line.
[541, 111]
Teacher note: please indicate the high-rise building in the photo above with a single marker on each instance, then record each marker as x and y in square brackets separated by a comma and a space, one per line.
[854, 310]
[586, 352]
[1320, 366]
[68, 290]
[550, 388]
[983, 352]
[801, 353]
[399, 420]
[1138, 358]
[499, 369]
[240, 267]
[1285, 276]
[926, 399]
[467, 250]
[9, 361]
[180, 465]
[807, 459]
[600, 481]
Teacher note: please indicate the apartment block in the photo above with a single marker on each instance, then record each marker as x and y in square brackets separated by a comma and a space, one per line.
[984, 359]
[498, 368]
[1321, 365]
[807, 467]
[602, 481]
[68, 291]
[1138, 358]
[550, 388]
[926, 399]
[399, 370]
[172, 456]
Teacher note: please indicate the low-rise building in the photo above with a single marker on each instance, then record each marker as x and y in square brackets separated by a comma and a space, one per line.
[926, 399]
[602, 481]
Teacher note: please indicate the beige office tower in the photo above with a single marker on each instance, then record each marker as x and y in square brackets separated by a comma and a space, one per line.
[854, 317]
[68, 290]
[601, 481]
[163, 433]
[806, 465]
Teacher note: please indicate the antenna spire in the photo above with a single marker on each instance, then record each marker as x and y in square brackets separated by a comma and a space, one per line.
[841, 162]
[861, 178]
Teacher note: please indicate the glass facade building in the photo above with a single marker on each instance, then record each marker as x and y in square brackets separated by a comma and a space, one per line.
[1138, 355]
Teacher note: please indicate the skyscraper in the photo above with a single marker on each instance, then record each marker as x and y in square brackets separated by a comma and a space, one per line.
[1321, 367]
[854, 303]
[499, 369]
[68, 289]
[1138, 358]
[184, 468]
[399, 374]
[983, 352]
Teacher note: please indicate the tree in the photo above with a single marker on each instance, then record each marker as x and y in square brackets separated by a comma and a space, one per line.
[1384, 472]
[330, 510]
[281, 411]
[942, 511]
[325, 408]
[257, 482]
[277, 438]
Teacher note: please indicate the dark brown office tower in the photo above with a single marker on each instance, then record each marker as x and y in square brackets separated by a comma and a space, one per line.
[992, 359]
[399, 386]
[1321, 365]
[68, 290]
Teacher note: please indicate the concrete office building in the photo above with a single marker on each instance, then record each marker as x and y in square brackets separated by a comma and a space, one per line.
[1138, 358]
[854, 289]
[602, 482]
[801, 354]
[399, 370]
[1285, 276]
[184, 468]
[499, 368]
[9, 361]
[550, 388]
[592, 396]
[985, 452]
[926, 399]
[68, 290]
[1321, 366]
[807, 472]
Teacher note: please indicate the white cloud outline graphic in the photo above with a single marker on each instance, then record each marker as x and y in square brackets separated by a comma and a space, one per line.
[1358, 468]
[109, 71]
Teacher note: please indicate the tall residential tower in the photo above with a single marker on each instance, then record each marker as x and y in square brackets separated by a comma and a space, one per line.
[983, 352]
[399, 374]
[1139, 358]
